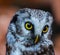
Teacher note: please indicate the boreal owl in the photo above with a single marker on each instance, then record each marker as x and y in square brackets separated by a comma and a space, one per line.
[29, 33]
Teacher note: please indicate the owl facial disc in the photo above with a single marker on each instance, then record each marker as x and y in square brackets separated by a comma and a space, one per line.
[29, 33]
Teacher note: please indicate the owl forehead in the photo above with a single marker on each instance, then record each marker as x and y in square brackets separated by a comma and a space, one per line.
[32, 14]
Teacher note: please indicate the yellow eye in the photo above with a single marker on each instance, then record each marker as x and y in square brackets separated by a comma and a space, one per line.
[28, 26]
[45, 29]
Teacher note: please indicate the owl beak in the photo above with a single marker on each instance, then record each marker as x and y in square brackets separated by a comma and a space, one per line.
[36, 39]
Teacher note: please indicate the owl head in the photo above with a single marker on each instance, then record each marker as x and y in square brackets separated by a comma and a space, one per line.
[31, 29]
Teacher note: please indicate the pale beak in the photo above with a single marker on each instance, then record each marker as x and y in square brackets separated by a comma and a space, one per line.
[36, 39]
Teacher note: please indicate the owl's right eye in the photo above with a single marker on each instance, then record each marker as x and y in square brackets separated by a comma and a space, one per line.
[28, 26]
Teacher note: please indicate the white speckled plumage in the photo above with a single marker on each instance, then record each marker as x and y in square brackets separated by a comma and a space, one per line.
[18, 36]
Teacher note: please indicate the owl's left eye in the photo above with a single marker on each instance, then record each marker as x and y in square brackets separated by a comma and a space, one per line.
[28, 26]
[45, 30]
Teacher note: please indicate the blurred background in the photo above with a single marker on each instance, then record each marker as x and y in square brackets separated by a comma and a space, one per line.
[9, 7]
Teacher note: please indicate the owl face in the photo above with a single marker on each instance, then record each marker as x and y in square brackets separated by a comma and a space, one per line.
[31, 29]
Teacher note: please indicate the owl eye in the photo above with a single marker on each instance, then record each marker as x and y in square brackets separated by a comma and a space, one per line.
[45, 30]
[28, 26]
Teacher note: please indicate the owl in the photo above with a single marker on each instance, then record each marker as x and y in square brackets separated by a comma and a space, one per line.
[29, 33]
